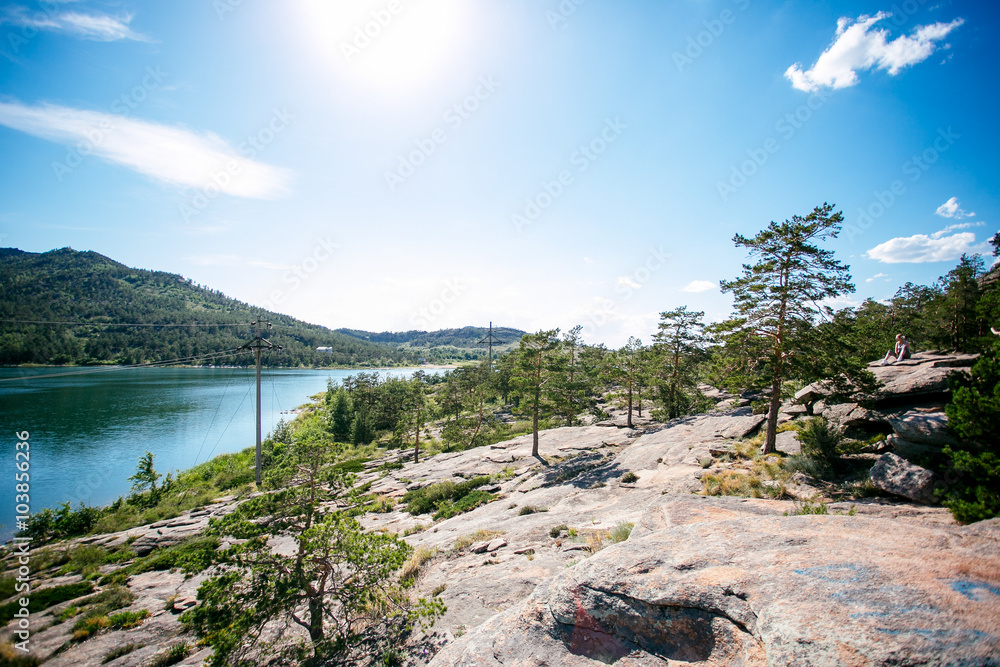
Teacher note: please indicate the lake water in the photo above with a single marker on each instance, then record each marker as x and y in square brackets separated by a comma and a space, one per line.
[88, 427]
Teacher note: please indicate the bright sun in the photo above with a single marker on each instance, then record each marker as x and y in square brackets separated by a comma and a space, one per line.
[390, 44]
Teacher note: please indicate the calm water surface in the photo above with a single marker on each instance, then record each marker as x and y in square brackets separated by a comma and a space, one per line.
[88, 430]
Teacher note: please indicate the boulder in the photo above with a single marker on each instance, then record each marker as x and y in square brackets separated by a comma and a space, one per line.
[899, 477]
[927, 428]
[723, 582]
[787, 442]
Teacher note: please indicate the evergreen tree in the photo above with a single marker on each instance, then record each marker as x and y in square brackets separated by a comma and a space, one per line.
[974, 414]
[625, 369]
[340, 416]
[678, 346]
[780, 295]
[537, 375]
[339, 584]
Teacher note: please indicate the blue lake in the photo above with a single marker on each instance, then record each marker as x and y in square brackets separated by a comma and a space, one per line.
[88, 427]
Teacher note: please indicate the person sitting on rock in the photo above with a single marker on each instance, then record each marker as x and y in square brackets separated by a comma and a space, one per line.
[899, 352]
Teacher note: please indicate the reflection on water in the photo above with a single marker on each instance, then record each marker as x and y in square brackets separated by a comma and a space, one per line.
[89, 429]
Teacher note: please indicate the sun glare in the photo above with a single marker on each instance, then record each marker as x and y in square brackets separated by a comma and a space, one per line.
[394, 45]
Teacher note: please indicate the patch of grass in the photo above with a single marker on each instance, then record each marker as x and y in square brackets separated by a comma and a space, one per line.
[479, 536]
[414, 529]
[171, 656]
[556, 531]
[192, 555]
[7, 586]
[391, 465]
[355, 465]
[807, 508]
[531, 509]
[468, 502]
[12, 657]
[412, 567]
[705, 462]
[85, 559]
[127, 619]
[630, 478]
[118, 652]
[423, 500]
[621, 531]
[381, 504]
[43, 559]
[89, 625]
[739, 483]
[438, 590]
[41, 600]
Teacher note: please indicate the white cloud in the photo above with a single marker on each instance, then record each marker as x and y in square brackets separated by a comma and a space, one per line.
[626, 281]
[170, 154]
[95, 27]
[951, 209]
[699, 286]
[861, 46]
[876, 277]
[920, 248]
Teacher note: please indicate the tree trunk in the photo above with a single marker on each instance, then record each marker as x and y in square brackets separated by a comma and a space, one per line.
[416, 440]
[534, 431]
[630, 404]
[772, 416]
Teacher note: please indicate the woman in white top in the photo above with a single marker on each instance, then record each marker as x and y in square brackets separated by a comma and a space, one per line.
[899, 352]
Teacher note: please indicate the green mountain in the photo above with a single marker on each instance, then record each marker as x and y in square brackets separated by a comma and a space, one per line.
[444, 345]
[83, 297]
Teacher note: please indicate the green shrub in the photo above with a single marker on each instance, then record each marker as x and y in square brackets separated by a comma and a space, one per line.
[630, 478]
[40, 600]
[421, 501]
[819, 441]
[974, 415]
[85, 559]
[531, 509]
[7, 586]
[469, 501]
[556, 531]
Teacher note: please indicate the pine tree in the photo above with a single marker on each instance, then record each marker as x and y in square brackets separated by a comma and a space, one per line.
[678, 344]
[781, 295]
[537, 374]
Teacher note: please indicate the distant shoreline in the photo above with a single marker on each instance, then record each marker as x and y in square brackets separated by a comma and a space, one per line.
[291, 368]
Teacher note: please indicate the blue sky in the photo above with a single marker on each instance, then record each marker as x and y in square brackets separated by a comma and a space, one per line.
[397, 164]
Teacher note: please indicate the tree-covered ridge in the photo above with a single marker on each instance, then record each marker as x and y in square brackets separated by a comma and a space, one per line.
[445, 345]
[69, 286]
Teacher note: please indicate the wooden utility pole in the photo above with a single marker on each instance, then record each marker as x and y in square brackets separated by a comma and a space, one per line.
[258, 344]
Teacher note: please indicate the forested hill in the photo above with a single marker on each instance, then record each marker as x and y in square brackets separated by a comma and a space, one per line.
[445, 344]
[66, 286]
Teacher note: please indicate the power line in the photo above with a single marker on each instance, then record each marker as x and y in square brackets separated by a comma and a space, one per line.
[122, 324]
[150, 364]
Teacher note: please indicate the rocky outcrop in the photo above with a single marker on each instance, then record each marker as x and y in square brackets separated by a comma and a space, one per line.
[909, 408]
[898, 476]
[716, 581]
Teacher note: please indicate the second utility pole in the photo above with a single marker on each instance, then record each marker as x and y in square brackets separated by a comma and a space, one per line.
[258, 344]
